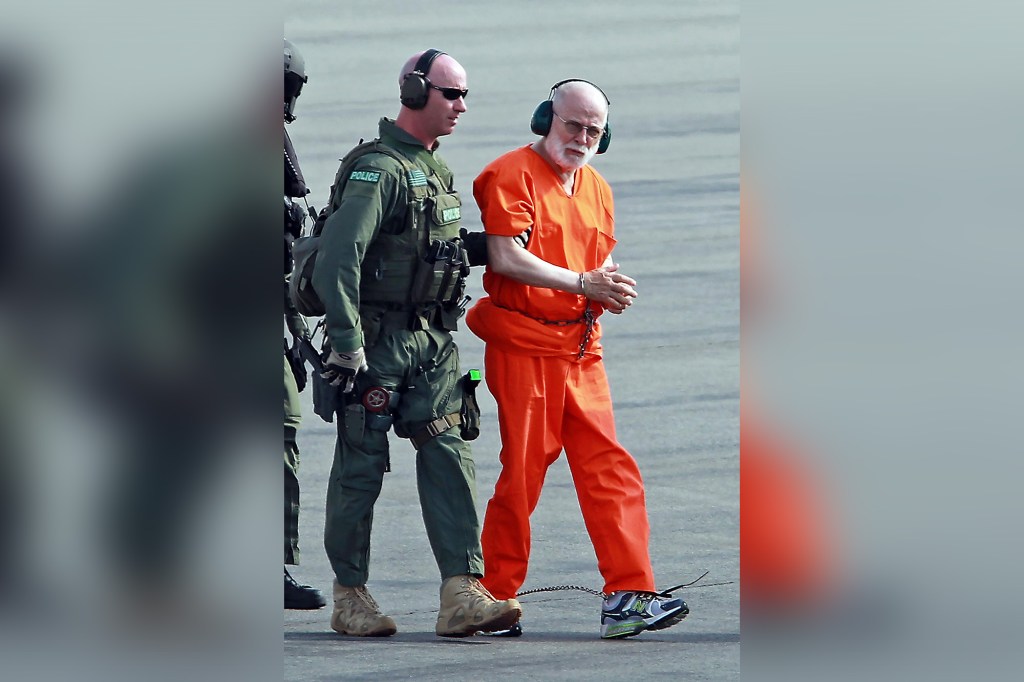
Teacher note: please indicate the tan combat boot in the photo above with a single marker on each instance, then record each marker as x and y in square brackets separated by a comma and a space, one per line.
[467, 607]
[356, 613]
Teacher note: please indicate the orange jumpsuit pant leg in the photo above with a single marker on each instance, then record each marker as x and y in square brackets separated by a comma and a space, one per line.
[607, 480]
[529, 395]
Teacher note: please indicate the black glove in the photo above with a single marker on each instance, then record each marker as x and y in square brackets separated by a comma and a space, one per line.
[294, 219]
[296, 324]
[297, 364]
[475, 244]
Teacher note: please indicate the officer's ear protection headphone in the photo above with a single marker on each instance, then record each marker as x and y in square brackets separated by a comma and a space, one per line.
[540, 122]
[415, 86]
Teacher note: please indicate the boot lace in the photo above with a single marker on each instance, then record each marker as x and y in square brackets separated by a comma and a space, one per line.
[474, 589]
[364, 596]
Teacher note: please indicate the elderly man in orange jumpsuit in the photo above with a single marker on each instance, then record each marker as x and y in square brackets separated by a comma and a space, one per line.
[550, 232]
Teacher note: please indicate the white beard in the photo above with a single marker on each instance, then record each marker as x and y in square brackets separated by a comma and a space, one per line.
[570, 162]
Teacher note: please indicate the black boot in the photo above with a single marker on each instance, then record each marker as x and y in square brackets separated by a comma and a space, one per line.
[300, 597]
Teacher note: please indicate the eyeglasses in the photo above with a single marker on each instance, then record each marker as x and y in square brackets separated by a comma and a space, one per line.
[450, 93]
[575, 127]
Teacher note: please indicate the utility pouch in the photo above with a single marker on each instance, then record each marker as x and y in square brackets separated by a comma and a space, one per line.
[300, 284]
[448, 318]
[453, 286]
[371, 322]
[355, 422]
[460, 266]
[445, 209]
[326, 398]
[434, 272]
[470, 426]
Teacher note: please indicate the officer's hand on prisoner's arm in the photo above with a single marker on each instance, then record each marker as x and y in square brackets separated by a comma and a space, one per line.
[475, 244]
[609, 287]
[340, 369]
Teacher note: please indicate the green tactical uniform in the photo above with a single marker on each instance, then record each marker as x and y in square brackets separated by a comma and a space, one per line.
[370, 256]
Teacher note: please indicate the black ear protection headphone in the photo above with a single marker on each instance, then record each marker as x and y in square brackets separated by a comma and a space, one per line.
[415, 86]
[540, 122]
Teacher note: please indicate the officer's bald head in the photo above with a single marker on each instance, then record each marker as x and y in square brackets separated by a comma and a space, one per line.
[433, 100]
[410, 64]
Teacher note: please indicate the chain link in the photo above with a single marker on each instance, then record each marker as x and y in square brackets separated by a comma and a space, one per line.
[586, 318]
[560, 588]
[596, 593]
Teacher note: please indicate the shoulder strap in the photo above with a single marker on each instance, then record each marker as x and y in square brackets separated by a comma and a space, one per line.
[415, 179]
[340, 179]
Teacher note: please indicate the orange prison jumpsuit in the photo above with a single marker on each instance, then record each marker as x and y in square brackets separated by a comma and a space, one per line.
[548, 398]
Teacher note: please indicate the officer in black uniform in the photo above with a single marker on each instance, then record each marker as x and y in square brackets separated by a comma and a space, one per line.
[296, 596]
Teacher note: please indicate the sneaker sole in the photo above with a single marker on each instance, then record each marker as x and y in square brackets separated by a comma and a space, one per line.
[666, 621]
[670, 620]
[633, 631]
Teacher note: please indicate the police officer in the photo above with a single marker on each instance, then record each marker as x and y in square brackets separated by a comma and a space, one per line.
[296, 596]
[391, 273]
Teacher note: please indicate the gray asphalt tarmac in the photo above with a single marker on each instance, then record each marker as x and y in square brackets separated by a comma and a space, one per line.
[671, 70]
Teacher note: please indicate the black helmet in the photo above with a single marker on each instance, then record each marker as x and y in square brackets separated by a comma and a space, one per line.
[294, 77]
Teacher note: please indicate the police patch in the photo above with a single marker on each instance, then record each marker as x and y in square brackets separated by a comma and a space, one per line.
[450, 214]
[365, 176]
[416, 178]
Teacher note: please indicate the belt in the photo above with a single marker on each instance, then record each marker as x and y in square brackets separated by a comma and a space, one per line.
[586, 318]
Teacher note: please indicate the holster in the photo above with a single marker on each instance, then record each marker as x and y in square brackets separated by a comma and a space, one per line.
[441, 274]
[327, 399]
[355, 423]
[470, 426]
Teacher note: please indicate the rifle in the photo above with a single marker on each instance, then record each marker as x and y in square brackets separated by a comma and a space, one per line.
[309, 353]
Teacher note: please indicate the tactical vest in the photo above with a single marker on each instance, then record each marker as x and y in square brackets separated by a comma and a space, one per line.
[418, 262]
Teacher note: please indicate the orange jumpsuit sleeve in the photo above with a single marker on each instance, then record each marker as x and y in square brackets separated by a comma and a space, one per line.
[504, 193]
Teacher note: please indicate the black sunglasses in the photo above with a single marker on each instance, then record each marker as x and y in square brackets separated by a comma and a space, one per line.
[450, 93]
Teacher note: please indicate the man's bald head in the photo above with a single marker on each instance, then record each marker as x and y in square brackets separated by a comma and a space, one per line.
[582, 94]
[441, 71]
[410, 64]
[432, 101]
